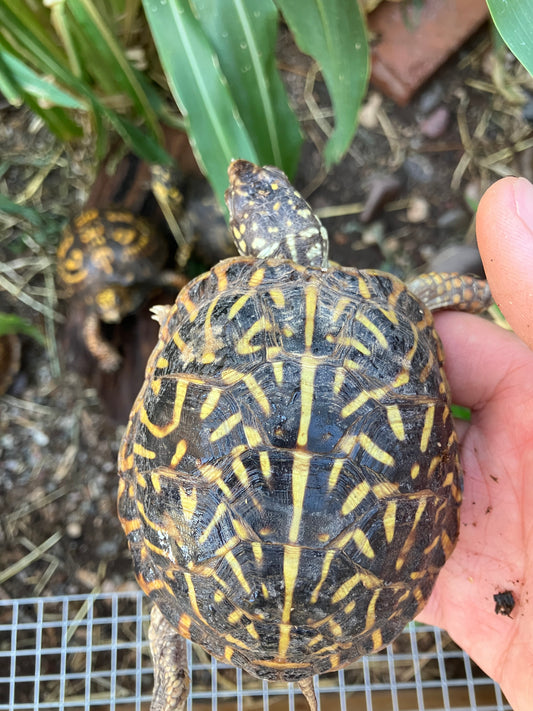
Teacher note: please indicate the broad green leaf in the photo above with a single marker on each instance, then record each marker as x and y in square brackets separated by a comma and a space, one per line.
[333, 32]
[514, 22]
[243, 34]
[214, 127]
[31, 83]
[10, 323]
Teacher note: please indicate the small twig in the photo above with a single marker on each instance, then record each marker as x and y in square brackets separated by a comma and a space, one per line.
[391, 136]
[35, 183]
[28, 300]
[82, 612]
[30, 558]
[314, 108]
[44, 410]
[43, 501]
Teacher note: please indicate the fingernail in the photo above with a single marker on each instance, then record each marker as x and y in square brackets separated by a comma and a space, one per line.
[523, 196]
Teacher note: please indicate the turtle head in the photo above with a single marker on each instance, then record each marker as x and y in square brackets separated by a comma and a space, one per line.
[270, 219]
[114, 302]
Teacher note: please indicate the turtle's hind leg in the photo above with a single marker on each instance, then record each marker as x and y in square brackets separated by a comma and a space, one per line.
[308, 690]
[171, 680]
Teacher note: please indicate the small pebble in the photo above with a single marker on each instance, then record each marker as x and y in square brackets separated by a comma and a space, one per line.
[419, 168]
[430, 98]
[453, 219]
[7, 441]
[436, 124]
[368, 116]
[74, 529]
[383, 189]
[39, 437]
[462, 258]
[417, 210]
[527, 111]
[373, 234]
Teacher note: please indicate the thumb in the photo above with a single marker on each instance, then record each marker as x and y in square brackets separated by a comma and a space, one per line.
[504, 227]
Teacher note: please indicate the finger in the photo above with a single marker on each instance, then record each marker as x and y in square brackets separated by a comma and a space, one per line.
[479, 357]
[504, 226]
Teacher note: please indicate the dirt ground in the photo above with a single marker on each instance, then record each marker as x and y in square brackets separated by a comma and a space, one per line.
[60, 429]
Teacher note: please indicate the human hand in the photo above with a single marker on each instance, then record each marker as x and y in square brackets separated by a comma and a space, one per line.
[491, 371]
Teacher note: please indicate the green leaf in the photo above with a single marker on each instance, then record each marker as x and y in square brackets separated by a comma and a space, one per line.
[461, 413]
[31, 83]
[514, 22]
[35, 50]
[109, 64]
[334, 33]
[243, 34]
[215, 129]
[12, 208]
[18, 20]
[143, 144]
[10, 323]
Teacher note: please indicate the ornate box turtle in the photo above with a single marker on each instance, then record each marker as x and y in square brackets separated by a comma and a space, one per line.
[290, 481]
[110, 259]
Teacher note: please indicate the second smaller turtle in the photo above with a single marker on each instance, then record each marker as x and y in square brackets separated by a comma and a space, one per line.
[110, 259]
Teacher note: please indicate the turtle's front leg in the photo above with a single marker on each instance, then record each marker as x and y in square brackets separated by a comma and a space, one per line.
[457, 292]
[108, 357]
[171, 680]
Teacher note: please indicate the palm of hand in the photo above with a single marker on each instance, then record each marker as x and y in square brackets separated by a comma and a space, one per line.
[491, 372]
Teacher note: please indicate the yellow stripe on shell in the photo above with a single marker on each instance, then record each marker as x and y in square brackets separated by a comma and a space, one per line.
[350, 342]
[394, 418]
[237, 571]
[215, 518]
[300, 476]
[324, 574]
[363, 544]
[264, 461]
[241, 472]
[428, 427]
[334, 473]
[256, 278]
[244, 345]
[355, 497]
[389, 521]
[142, 451]
[277, 297]
[161, 431]
[374, 330]
[225, 427]
[340, 307]
[179, 453]
[400, 560]
[307, 387]
[238, 305]
[188, 503]
[253, 436]
[367, 579]
[210, 402]
[311, 297]
[371, 612]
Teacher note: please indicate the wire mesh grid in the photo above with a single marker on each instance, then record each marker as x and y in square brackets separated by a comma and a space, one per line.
[79, 652]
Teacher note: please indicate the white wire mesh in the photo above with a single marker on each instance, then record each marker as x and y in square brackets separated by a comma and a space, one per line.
[74, 652]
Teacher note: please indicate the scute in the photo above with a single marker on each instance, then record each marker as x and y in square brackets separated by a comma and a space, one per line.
[291, 476]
